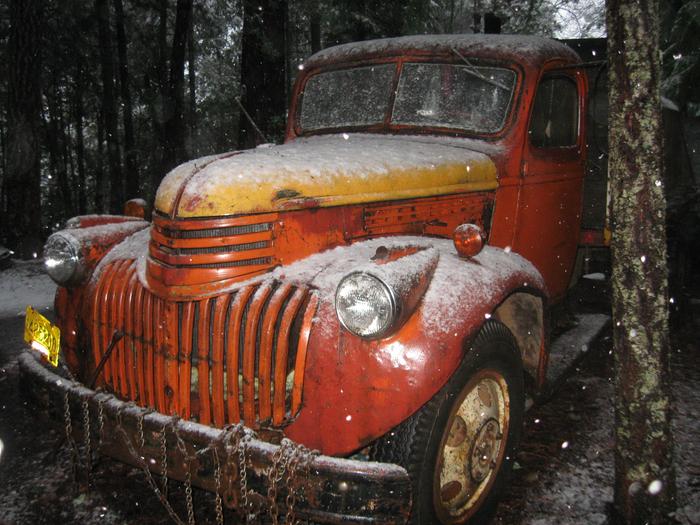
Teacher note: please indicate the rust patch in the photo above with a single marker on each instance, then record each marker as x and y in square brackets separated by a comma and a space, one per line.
[458, 432]
[286, 194]
[450, 491]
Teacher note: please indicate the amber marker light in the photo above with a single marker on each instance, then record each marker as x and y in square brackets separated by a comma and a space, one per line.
[468, 239]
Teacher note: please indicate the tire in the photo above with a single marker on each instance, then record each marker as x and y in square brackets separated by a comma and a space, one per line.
[453, 448]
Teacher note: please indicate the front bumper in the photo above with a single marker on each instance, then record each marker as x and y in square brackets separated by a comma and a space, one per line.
[325, 489]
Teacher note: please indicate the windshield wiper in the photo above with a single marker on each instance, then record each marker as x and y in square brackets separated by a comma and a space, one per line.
[475, 72]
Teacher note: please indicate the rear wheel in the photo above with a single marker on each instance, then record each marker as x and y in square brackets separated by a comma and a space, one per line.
[459, 447]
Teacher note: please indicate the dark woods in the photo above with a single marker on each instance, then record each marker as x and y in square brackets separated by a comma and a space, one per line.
[101, 98]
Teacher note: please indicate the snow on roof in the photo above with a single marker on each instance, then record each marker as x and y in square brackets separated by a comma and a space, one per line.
[522, 48]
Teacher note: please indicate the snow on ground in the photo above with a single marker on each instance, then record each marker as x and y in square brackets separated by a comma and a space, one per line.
[25, 284]
[564, 472]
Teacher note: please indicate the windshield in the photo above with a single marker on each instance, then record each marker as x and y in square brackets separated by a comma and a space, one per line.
[456, 96]
[347, 97]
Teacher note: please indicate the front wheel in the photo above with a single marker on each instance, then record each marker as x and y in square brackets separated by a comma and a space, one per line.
[459, 447]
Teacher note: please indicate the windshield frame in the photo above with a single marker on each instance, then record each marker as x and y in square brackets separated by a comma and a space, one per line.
[390, 127]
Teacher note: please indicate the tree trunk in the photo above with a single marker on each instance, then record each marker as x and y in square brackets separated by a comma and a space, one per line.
[192, 81]
[55, 139]
[174, 150]
[22, 222]
[161, 108]
[116, 193]
[130, 153]
[79, 108]
[100, 166]
[315, 25]
[644, 476]
[263, 71]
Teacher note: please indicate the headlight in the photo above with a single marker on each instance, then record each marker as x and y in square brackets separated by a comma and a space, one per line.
[63, 259]
[365, 305]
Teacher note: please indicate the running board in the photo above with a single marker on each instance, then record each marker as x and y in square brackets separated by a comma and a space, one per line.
[569, 348]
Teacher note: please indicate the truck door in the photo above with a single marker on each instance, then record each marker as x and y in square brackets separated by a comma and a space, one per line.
[549, 211]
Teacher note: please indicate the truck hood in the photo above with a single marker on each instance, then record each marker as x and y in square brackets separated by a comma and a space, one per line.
[327, 170]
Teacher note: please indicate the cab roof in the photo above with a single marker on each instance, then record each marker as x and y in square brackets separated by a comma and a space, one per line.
[526, 49]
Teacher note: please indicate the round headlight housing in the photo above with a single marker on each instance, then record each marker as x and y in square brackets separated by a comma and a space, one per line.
[63, 259]
[365, 305]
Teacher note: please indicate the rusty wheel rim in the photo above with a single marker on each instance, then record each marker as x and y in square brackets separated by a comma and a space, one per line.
[472, 447]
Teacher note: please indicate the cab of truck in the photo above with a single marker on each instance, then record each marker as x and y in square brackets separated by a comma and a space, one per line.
[377, 287]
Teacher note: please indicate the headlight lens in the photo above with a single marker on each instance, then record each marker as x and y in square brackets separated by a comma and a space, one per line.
[62, 258]
[365, 305]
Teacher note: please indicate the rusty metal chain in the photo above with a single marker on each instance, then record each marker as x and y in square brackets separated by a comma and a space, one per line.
[188, 475]
[290, 463]
[69, 436]
[164, 460]
[101, 420]
[188, 492]
[243, 476]
[144, 466]
[217, 479]
[276, 473]
[87, 445]
[139, 429]
[300, 463]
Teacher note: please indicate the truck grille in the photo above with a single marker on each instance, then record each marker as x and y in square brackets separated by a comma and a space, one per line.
[235, 357]
[211, 249]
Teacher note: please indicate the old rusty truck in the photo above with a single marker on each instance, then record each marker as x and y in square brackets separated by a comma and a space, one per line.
[342, 328]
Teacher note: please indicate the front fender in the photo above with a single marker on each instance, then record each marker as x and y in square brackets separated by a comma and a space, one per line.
[357, 390]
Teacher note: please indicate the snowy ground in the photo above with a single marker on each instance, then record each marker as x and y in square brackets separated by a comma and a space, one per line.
[563, 476]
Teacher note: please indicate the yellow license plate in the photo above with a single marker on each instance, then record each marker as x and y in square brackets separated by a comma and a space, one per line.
[42, 336]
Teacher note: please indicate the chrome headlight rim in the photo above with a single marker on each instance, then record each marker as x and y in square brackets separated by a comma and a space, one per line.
[63, 259]
[392, 299]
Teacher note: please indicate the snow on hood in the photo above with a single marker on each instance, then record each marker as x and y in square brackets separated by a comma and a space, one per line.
[326, 170]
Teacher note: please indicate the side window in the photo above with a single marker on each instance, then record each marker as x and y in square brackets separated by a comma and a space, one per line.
[554, 122]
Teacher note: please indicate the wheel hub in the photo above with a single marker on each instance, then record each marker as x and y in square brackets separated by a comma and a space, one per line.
[472, 447]
[484, 450]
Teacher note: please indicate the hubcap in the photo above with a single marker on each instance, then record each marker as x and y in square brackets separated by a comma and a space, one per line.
[472, 447]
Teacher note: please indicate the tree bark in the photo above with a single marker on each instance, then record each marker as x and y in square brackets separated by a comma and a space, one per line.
[174, 151]
[315, 25]
[116, 193]
[160, 109]
[22, 221]
[644, 475]
[192, 81]
[263, 66]
[130, 154]
[79, 108]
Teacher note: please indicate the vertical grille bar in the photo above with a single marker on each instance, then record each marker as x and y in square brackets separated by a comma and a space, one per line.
[290, 313]
[117, 321]
[236, 357]
[186, 324]
[249, 345]
[203, 361]
[139, 346]
[217, 357]
[300, 364]
[159, 353]
[150, 349]
[266, 351]
[170, 346]
[129, 339]
[233, 351]
[105, 326]
[96, 320]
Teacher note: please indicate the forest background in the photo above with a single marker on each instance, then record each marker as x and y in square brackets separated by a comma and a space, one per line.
[101, 98]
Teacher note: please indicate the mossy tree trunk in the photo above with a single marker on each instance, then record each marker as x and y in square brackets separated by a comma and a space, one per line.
[644, 476]
[20, 214]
